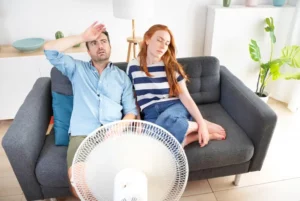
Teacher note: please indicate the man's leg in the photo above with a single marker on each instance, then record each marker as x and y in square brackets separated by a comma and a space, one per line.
[74, 143]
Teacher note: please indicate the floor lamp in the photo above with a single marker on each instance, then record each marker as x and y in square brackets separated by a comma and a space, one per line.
[132, 10]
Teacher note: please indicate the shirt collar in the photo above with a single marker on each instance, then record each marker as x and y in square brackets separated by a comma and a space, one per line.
[109, 65]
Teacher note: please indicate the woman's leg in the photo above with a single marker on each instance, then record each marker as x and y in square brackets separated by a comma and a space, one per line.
[174, 118]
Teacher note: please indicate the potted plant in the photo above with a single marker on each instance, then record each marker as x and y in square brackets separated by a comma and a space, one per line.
[290, 55]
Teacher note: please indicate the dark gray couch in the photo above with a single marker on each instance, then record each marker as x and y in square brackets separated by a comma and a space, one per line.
[41, 167]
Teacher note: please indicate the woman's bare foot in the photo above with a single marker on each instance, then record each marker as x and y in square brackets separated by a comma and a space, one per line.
[194, 137]
[215, 128]
[216, 136]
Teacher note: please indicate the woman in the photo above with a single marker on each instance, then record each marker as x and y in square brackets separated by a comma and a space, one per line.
[162, 96]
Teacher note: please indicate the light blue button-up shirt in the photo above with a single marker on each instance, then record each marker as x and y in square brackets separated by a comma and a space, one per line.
[98, 99]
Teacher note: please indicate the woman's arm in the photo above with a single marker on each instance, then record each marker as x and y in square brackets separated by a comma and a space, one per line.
[192, 108]
[189, 103]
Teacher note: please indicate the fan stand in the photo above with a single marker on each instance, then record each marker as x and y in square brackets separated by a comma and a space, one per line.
[133, 41]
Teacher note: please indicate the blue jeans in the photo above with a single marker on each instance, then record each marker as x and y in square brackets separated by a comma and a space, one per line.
[171, 115]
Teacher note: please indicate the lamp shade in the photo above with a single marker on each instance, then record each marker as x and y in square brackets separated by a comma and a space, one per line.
[133, 9]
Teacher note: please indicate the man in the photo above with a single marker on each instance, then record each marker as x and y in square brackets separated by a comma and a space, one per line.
[101, 90]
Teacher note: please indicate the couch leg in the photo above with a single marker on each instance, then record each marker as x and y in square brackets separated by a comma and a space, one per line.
[237, 179]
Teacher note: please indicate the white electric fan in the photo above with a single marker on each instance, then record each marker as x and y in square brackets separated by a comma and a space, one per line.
[130, 161]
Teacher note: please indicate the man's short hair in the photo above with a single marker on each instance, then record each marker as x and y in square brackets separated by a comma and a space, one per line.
[105, 33]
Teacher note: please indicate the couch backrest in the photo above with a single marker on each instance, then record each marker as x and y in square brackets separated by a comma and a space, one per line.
[204, 74]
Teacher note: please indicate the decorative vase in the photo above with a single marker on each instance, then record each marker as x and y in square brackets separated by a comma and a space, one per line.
[278, 2]
[251, 3]
[226, 3]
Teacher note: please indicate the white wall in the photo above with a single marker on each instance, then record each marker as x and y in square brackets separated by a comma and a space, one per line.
[288, 91]
[40, 18]
[232, 35]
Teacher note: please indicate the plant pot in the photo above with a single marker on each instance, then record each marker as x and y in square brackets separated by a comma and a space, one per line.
[226, 3]
[278, 2]
[264, 97]
[251, 3]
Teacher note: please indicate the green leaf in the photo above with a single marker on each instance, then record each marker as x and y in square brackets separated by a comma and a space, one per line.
[254, 51]
[275, 70]
[279, 62]
[293, 77]
[268, 29]
[291, 55]
[268, 21]
[270, 24]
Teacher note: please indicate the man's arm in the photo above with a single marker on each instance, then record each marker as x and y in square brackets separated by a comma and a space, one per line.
[129, 116]
[128, 100]
[90, 34]
[65, 63]
[129, 74]
[63, 44]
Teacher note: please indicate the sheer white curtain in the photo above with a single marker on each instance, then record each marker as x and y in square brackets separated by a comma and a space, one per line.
[288, 91]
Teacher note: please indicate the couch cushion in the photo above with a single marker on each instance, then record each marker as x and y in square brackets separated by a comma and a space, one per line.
[51, 168]
[235, 149]
[62, 105]
[204, 74]
[60, 83]
[62, 109]
[122, 65]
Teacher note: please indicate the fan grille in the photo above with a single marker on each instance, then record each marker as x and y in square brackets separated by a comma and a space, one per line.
[140, 134]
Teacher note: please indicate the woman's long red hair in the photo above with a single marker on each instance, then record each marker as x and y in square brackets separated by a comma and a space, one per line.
[169, 59]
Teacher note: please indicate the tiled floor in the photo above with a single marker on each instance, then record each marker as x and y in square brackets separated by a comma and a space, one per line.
[279, 180]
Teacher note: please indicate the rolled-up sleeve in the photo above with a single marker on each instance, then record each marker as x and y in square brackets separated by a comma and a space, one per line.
[179, 77]
[128, 100]
[64, 63]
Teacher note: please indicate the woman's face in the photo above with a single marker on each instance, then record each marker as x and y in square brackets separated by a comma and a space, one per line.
[158, 44]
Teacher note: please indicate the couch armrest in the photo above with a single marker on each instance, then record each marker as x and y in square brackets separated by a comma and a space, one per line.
[25, 137]
[254, 116]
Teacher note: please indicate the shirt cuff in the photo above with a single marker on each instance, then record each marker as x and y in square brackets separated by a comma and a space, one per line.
[52, 54]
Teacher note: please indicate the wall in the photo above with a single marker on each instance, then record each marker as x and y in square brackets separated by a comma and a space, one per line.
[288, 91]
[234, 27]
[40, 18]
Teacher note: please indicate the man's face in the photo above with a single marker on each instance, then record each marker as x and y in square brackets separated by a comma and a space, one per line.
[99, 49]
